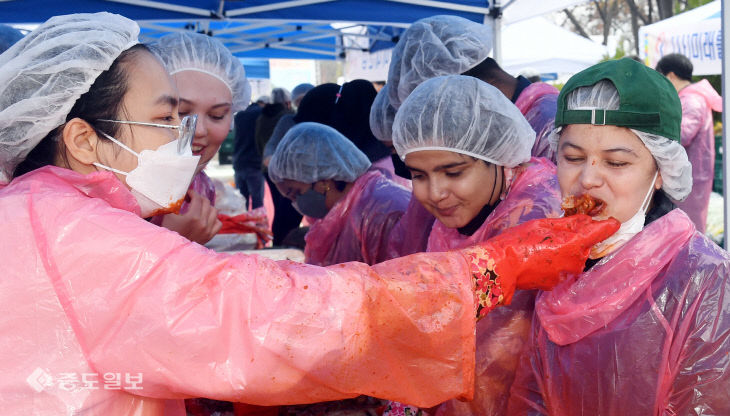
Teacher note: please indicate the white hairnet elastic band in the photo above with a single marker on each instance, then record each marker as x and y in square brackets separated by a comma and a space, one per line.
[449, 149]
[206, 73]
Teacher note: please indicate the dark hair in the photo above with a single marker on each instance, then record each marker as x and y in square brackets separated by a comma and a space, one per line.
[677, 63]
[487, 70]
[103, 101]
[340, 185]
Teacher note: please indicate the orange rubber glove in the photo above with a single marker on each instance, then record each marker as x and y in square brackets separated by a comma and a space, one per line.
[533, 255]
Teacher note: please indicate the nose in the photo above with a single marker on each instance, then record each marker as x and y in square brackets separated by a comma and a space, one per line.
[201, 128]
[591, 175]
[437, 191]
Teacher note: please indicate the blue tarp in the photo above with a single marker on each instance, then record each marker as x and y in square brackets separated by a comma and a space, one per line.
[33, 11]
[295, 32]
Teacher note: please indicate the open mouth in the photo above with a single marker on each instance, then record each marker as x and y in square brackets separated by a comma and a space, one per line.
[197, 149]
[583, 204]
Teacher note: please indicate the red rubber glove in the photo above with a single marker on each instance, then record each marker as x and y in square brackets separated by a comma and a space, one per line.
[533, 255]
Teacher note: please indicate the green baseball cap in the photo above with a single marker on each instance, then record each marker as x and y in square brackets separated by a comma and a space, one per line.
[648, 101]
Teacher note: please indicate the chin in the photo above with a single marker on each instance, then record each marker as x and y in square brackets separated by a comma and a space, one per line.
[452, 222]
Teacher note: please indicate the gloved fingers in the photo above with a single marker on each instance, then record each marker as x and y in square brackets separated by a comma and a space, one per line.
[597, 231]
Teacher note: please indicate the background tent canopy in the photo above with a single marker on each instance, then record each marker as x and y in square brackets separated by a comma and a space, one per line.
[280, 28]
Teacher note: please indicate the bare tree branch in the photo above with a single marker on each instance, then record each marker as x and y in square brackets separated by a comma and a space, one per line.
[666, 8]
[600, 10]
[635, 11]
[576, 23]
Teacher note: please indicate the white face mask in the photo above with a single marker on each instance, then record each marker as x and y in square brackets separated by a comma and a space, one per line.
[627, 230]
[161, 178]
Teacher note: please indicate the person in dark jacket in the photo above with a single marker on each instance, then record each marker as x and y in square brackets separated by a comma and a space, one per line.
[246, 159]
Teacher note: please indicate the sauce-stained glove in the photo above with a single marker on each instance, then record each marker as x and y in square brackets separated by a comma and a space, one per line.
[533, 255]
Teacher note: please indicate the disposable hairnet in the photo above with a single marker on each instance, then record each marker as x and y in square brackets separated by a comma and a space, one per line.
[189, 51]
[8, 36]
[280, 96]
[435, 46]
[382, 115]
[300, 90]
[671, 157]
[464, 115]
[43, 75]
[311, 152]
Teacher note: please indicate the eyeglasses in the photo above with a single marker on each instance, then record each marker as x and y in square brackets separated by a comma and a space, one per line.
[186, 129]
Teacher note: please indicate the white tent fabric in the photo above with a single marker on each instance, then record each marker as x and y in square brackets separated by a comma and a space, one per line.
[539, 44]
[518, 10]
[695, 34]
[534, 43]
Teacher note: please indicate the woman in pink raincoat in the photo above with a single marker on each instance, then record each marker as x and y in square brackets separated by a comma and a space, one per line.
[468, 148]
[106, 313]
[212, 84]
[645, 329]
[698, 100]
[329, 179]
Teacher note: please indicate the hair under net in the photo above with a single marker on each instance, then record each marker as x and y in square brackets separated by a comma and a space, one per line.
[435, 46]
[189, 51]
[280, 96]
[299, 91]
[312, 152]
[43, 75]
[382, 115]
[464, 115]
[8, 36]
[670, 156]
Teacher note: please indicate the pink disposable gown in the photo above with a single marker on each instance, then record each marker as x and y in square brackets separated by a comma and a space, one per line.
[645, 332]
[358, 226]
[538, 103]
[502, 334]
[698, 138]
[89, 288]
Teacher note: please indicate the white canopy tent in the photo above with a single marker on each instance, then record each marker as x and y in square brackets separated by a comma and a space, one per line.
[541, 45]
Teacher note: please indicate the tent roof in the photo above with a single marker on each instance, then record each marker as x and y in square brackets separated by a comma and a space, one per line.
[280, 28]
[260, 28]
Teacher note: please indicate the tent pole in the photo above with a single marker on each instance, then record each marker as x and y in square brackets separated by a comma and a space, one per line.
[725, 118]
[495, 15]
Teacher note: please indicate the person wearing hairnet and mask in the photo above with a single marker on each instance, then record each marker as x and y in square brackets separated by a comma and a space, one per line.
[644, 330]
[468, 149]
[97, 298]
[328, 179]
[212, 85]
[346, 108]
[451, 45]
[286, 218]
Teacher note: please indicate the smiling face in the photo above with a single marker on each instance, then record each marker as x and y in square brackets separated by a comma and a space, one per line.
[151, 97]
[453, 187]
[606, 162]
[211, 100]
